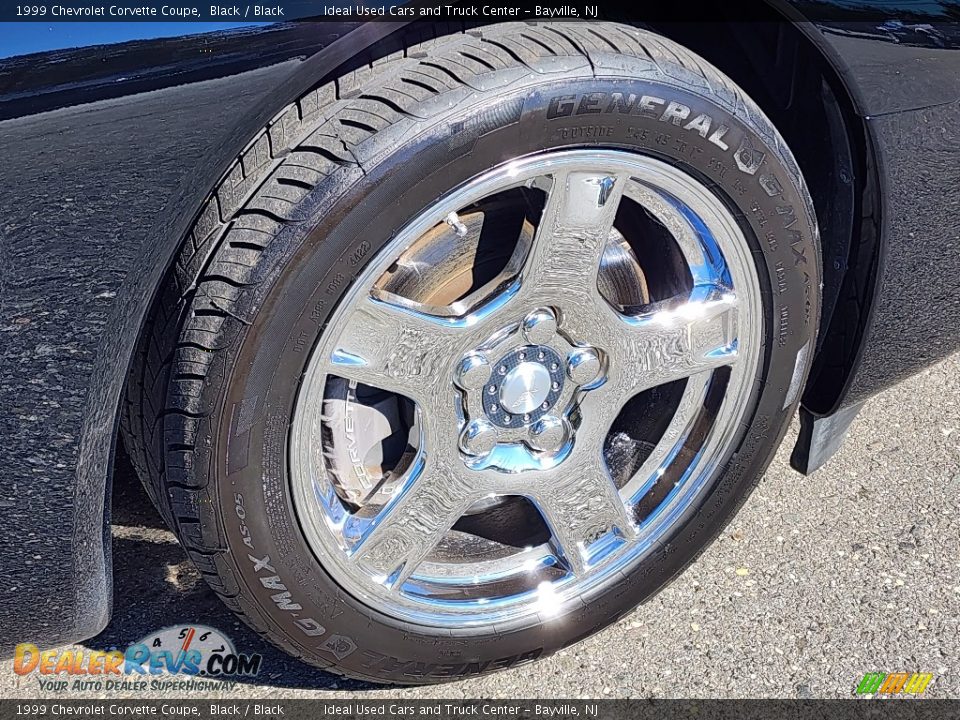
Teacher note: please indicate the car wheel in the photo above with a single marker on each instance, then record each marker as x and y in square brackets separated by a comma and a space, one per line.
[478, 346]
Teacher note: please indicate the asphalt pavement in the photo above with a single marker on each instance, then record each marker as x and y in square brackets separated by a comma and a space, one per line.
[818, 580]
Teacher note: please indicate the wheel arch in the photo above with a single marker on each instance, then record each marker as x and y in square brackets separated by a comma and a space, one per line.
[139, 293]
[799, 81]
[742, 45]
[753, 53]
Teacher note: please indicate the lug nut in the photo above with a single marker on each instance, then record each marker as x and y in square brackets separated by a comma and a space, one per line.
[539, 326]
[549, 433]
[583, 365]
[478, 438]
[474, 371]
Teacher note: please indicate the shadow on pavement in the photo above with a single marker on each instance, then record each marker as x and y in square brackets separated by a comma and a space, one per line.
[155, 585]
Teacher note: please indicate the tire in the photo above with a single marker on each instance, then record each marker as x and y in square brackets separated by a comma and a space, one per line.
[309, 205]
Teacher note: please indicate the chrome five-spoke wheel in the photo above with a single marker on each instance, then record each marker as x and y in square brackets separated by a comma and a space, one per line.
[526, 388]
[477, 346]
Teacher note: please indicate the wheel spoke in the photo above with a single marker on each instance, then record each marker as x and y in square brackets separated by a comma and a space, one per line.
[659, 347]
[583, 506]
[411, 525]
[397, 349]
[572, 234]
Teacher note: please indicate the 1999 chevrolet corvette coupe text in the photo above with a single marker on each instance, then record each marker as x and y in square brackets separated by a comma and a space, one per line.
[441, 347]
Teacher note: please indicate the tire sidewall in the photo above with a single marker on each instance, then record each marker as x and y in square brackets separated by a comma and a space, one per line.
[341, 226]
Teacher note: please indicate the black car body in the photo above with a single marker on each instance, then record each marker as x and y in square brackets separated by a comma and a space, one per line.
[109, 150]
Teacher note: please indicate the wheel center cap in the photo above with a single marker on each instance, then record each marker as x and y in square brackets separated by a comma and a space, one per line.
[525, 387]
[522, 386]
[521, 401]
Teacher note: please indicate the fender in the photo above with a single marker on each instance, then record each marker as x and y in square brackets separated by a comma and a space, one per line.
[161, 245]
[76, 586]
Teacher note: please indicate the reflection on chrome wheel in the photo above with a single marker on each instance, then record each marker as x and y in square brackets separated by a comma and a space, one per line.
[517, 366]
